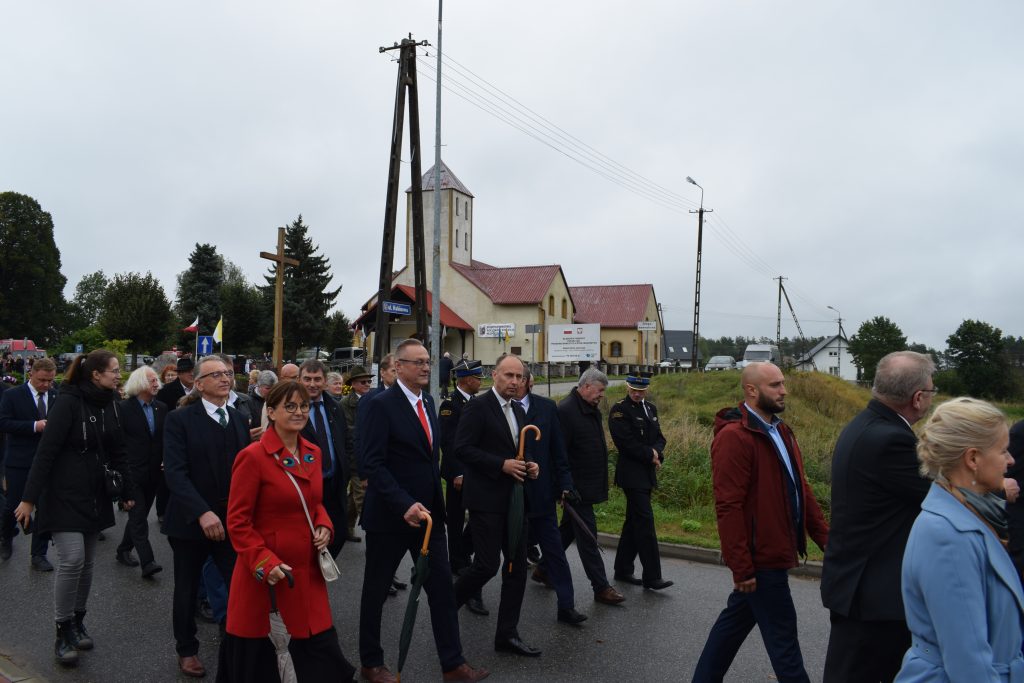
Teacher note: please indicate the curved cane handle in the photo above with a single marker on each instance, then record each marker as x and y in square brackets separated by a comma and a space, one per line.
[426, 537]
[522, 440]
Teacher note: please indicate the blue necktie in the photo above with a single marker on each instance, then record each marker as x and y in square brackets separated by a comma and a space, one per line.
[148, 410]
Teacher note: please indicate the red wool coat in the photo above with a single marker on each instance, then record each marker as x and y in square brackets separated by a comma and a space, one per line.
[267, 526]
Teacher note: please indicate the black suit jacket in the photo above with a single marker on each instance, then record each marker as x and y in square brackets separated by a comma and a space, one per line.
[483, 442]
[145, 450]
[876, 496]
[335, 488]
[361, 408]
[18, 416]
[195, 468]
[1015, 511]
[549, 453]
[451, 412]
[399, 463]
[635, 433]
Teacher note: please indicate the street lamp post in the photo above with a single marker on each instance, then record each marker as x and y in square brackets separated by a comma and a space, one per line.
[696, 290]
[839, 343]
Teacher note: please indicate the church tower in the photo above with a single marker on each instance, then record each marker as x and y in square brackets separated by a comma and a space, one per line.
[456, 222]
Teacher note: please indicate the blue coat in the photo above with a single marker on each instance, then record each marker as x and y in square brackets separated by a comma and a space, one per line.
[962, 597]
[18, 415]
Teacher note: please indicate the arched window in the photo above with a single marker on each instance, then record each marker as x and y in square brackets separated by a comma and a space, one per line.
[551, 304]
[565, 308]
[456, 238]
[616, 349]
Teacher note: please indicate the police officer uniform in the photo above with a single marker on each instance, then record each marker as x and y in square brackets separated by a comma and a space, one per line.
[637, 435]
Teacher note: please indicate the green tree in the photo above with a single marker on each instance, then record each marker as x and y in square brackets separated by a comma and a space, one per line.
[91, 338]
[874, 339]
[307, 298]
[976, 352]
[247, 320]
[199, 290]
[31, 285]
[136, 308]
[339, 332]
[87, 303]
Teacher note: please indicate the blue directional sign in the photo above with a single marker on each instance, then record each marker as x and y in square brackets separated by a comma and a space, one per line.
[205, 345]
[79, 348]
[397, 308]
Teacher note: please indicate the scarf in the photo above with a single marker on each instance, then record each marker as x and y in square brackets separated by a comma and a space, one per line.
[991, 509]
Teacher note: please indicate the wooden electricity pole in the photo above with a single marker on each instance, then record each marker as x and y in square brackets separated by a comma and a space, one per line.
[406, 82]
[281, 260]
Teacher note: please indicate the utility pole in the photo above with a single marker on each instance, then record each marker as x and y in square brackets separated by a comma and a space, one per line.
[696, 290]
[839, 343]
[406, 82]
[436, 339]
[778, 318]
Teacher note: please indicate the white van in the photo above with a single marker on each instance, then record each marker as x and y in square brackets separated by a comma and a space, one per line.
[760, 353]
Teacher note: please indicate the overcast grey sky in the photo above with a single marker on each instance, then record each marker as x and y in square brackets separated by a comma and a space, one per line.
[872, 152]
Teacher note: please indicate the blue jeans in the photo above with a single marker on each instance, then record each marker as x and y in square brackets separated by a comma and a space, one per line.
[216, 590]
[544, 532]
[771, 608]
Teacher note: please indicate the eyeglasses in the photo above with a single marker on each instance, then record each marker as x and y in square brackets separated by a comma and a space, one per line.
[114, 371]
[933, 390]
[218, 374]
[363, 381]
[418, 363]
[296, 407]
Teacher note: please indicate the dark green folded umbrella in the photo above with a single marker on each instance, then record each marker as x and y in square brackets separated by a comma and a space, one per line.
[516, 503]
[419, 575]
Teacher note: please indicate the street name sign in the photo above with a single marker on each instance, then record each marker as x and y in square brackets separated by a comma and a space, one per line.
[397, 308]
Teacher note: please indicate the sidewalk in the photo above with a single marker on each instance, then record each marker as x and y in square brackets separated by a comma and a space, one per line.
[10, 673]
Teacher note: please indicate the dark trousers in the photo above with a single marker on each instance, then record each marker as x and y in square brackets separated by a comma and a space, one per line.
[460, 539]
[335, 506]
[136, 530]
[865, 651]
[163, 495]
[189, 556]
[16, 478]
[544, 532]
[638, 537]
[771, 608]
[490, 543]
[590, 554]
[384, 553]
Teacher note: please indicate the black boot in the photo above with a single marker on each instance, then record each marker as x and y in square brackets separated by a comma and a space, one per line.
[82, 639]
[63, 648]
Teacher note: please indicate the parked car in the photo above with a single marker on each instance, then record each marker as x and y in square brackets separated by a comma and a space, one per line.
[345, 357]
[668, 363]
[720, 363]
[760, 353]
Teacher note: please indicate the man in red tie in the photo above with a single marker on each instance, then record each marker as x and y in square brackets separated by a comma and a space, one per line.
[399, 441]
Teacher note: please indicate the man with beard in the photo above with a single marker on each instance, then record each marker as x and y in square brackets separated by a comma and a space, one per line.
[759, 483]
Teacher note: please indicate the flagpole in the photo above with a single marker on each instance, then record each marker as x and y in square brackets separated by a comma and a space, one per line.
[195, 357]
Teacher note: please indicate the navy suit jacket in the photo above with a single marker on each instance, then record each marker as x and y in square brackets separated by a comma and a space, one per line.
[398, 461]
[335, 488]
[483, 442]
[549, 453]
[145, 450]
[193, 469]
[18, 415]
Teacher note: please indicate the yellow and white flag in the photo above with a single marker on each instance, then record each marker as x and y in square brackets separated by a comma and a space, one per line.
[218, 332]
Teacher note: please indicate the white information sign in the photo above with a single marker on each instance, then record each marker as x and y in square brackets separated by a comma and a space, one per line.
[567, 343]
[647, 326]
[496, 330]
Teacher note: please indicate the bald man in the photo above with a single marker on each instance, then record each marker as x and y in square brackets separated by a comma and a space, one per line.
[758, 475]
[289, 372]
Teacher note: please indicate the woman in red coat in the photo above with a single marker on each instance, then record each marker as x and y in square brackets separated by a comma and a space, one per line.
[271, 534]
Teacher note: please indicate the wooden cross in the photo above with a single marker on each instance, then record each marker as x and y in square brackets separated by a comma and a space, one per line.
[281, 260]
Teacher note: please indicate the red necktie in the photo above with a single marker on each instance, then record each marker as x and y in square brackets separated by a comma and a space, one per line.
[423, 421]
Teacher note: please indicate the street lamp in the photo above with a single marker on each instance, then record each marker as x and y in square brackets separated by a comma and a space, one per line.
[839, 343]
[696, 290]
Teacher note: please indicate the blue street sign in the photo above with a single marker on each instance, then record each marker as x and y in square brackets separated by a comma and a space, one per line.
[205, 345]
[79, 348]
[397, 308]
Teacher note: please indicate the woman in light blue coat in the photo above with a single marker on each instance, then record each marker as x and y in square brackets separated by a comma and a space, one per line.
[962, 595]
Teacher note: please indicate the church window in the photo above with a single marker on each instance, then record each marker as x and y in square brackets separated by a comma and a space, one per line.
[616, 349]
[565, 308]
[456, 238]
[551, 305]
[456, 207]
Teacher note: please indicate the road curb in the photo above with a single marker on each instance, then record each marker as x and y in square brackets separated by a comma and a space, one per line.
[692, 553]
[11, 673]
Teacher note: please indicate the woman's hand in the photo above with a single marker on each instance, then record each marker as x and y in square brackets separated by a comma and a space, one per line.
[127, 504]
[321, 537]
[23, 513]
[276, 574]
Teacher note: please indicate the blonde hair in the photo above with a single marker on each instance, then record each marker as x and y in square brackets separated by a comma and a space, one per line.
[954, 427]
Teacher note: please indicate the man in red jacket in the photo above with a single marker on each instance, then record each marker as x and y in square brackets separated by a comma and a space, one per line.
[765, 511]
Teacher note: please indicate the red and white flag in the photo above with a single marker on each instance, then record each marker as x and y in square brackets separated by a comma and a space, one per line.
[194, 327]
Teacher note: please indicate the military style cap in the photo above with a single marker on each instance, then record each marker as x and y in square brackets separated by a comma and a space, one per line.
[469, 368]
[640, 383]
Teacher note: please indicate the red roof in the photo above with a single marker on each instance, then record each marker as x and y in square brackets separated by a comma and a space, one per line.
[518, 285]
[611, 305]
[449, 318]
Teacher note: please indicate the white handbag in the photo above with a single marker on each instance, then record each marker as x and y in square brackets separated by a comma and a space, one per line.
[328, 567]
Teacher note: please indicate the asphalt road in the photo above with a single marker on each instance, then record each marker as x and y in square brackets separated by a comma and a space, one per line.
[651, 637]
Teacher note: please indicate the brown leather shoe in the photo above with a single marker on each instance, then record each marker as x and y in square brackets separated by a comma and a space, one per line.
[609, 596]
[378, 674]
[466, 673]
[191, 666]
[541, 576]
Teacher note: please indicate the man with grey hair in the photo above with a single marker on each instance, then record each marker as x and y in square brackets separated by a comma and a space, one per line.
[876, 495]
[264, 383]
[583, 432]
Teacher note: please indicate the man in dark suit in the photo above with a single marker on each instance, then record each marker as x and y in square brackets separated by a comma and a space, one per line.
[1015, 505]
[553, 483]
[327, 429]
[636, 432]
[201, 440]
[876, 496]
[142, 423]
[486, 443]
[172, 392]
[468, 374]
[23, 411]
[399, 445]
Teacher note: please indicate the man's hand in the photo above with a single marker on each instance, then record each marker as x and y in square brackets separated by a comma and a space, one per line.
[39, 426]
[276, 574]
[255, 433]
[457, 482]
[514, 468]
[748, 586]
[1012, 489]
[211, 526]
[127, 504]
[23, 513]
[321, 538]
[532, 470]
[414, 515]
[656, 460]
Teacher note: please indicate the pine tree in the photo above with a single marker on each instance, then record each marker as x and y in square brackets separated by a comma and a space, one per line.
[199, 289]
[136, 308]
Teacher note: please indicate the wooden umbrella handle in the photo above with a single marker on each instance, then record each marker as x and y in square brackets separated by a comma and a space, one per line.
[522, 440]
[425, 549]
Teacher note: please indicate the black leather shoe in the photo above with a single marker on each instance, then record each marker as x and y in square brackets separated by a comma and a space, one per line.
[392, 591]
[41, 564]
[657, 584]
[629, 578]
[516, 646]
[151, 568]
[125, 557]
[5, 549]
[571, 616]
[476, 606]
